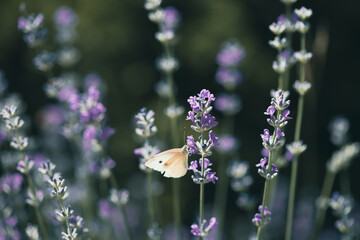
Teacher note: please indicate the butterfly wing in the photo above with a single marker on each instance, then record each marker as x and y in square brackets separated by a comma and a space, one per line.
[177, 166]
[171, 163]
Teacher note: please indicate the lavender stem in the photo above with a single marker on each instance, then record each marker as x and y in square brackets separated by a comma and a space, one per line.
[294, 165]
[325, 194]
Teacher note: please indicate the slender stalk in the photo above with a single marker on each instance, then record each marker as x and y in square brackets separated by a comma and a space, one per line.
[294, 165]
[126, 222]
[67, 223]
[122, 209]
[201, 202]
[285, 84]
[36, 207]
[266, 195]
[221, 193]
[221, 190]
[150, 199]
[175, 142]
[322, 207]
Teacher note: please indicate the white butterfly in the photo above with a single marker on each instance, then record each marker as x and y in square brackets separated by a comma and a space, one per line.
[172, 163]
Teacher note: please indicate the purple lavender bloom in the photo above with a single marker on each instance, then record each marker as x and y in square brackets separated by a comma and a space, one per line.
[205, 228]
[207, 163]
[195, 230]
[191, 144]
[229, 104]
[31, 23]
[257, 219]
[210, 177]
[90, 109]
[65, 17]
[108, 163]
[265, 152]
[193, 166]
[231, 54]
[208, 121]
[265, 171]
[289, 156]
[11, 183]
[202, 101]
[230, 78]
[262, 163]
[106, 133]
[89, 133]
[105, 209]
[227, 143]
[270, 111]
[260, 220]
[266, 136]
[92, 79]
[205, 177]
[53, 115]
[171, 18]
[213, 140]
[34, 33]
[279, 133]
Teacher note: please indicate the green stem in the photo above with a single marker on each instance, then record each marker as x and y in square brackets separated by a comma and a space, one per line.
[126, 222]
[201, 202]
[294, 165]
[221, 193]
[289, 39]
[222, 186]
[266, 195]
[67, 220]
[36, 207]
[322, 207]
[175, 142]
[150, 199]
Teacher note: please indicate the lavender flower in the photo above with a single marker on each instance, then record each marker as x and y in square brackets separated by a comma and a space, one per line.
[339, 130]
[119, 197]
[296, 148]
[228, 144]
[342, 158]
[44, 61]
[171, 18]
[206, 176]
[228, 104]
[265, 170]
[65, 17]
[202, 121]
[145, 123]
[204, 229]
[231, 54]
[11, 183]
[262, 218]
[229, 78]
[32, 232]
[32, 27]
[341, 205]
[238, 171]
[301, 87]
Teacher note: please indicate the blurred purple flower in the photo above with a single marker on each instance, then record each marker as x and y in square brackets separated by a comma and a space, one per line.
[65, 17]
[231, 54]
[171, 18]
[229, 104]
[11, 182]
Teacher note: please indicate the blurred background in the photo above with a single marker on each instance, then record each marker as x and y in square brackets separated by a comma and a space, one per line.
[116, 40]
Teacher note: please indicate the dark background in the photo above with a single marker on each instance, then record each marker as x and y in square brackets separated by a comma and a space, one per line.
[117, 41]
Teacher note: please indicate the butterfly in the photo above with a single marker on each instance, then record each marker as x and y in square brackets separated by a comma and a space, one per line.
[173, 163]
